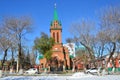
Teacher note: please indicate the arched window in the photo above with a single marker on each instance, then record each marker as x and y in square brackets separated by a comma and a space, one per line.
[54, 35]
[57, 37]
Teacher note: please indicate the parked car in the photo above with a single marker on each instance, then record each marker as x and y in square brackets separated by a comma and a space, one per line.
[32, 71]
[92, 70]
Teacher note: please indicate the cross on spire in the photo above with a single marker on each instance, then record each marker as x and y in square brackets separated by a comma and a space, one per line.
[55, 5]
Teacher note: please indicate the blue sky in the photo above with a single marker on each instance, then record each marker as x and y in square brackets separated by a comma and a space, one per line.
[41, 12]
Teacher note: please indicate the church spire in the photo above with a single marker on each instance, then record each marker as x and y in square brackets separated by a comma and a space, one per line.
[55, 13]
[55, 18]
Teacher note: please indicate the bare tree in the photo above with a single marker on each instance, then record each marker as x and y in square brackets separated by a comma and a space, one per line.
[13, 49]
[69, 40]
[83, 33]
[33, 57]
[5, 43]
[18, 27]
[110, 25]
[100, 44]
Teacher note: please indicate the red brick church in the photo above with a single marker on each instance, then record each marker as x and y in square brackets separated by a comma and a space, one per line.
[60, 52]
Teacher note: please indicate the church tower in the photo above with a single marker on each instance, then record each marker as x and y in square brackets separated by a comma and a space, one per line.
[56, 34]
[58, 50]
[56, 29]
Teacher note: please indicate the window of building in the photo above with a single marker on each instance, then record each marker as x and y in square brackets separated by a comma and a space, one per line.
[53, 35]
[57, 37]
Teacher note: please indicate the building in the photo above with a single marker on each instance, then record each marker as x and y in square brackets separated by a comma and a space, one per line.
[60, 52]
[114, 62]
[71, 48]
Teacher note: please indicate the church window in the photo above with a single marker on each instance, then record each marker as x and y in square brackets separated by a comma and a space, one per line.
[53, 35]
[57, 37]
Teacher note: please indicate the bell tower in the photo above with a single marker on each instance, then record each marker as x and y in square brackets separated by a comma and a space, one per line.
[59, 52]
[56, 29]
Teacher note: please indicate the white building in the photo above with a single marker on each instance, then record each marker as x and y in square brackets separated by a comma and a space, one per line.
[71, 48]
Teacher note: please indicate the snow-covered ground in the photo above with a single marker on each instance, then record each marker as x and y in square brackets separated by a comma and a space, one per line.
[76, 76]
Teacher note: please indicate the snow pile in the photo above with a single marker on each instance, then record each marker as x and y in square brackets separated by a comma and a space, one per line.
[80, 75]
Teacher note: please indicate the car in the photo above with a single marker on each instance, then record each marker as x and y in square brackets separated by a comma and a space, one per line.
[92, 70]
[32, 71]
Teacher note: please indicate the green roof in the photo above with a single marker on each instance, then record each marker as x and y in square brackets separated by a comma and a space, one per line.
[40, 57]
[71, 56]
[55, 15]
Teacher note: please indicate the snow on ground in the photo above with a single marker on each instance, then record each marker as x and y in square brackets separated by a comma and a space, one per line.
[107, 77]
[76, 76]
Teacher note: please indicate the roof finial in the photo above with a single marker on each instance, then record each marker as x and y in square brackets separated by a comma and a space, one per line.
[55, 5]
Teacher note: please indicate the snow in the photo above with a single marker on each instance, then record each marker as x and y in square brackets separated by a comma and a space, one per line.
[81, 75]
[75, 76]
[34, 78]
[107, 77]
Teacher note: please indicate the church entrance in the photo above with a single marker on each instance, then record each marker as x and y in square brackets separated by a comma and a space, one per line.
[56, 65]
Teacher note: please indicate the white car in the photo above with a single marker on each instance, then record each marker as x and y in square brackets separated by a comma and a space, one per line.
[31, 71]
[92, 70]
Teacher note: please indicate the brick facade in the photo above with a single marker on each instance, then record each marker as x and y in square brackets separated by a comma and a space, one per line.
[58, 49]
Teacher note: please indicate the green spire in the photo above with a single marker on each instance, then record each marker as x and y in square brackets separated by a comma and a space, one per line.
[55, 13]
[55, 17]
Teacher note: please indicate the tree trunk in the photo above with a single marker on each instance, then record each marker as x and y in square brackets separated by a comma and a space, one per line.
[19, 57]
[5, 54]
[12, 61]
[113, 51]
[111, 54]
[91, 53]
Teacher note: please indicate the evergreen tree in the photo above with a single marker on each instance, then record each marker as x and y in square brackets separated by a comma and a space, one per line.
[44, 45]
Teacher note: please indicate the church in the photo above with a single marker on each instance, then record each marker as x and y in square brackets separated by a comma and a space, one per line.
[59, 51]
